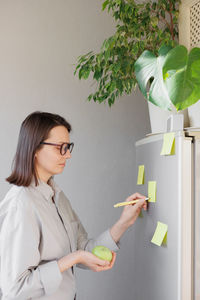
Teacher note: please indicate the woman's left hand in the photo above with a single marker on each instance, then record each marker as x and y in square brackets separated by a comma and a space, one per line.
[132, 211]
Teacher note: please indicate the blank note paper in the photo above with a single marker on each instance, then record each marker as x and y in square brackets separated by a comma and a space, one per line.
[140, 179]
[152, 191]
[168, 147]
[160, 235]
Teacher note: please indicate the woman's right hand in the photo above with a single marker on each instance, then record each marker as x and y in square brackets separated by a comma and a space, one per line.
[86, 258]
[94, 263]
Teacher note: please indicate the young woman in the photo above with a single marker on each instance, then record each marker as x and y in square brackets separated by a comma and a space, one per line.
[41, 236]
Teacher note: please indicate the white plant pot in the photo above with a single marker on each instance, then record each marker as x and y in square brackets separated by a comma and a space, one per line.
[194, 115]
[158, 118]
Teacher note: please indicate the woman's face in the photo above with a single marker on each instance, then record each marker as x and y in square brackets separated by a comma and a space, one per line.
[48, 160]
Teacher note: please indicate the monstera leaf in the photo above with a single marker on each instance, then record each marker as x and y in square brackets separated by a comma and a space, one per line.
[148, 71]
[181, 73]
[173, 77]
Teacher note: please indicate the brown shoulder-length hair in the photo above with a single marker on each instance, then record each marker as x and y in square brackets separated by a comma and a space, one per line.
[34, 130]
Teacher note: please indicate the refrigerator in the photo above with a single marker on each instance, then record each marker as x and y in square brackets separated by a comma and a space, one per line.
[170, 271]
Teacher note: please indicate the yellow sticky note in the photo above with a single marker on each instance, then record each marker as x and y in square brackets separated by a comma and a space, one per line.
[160, 235]
[152, 191]
[140, 179]
[168, 147]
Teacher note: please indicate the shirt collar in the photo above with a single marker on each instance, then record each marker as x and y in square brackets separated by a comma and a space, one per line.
[48, 190]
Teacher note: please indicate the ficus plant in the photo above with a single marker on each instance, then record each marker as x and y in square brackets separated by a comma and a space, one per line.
[139, 26]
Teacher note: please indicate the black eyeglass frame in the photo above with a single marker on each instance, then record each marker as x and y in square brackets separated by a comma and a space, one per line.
[61, 146]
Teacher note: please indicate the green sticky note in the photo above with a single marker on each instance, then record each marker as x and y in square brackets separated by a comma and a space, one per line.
[140, 179]
[168, 147]
[160, 235]
[152, 191]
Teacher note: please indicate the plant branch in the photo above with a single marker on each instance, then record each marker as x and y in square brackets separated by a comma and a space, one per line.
[171, 20]
[162, 19]
[165, 22]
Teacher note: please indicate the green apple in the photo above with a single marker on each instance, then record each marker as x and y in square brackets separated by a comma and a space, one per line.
[102, 252]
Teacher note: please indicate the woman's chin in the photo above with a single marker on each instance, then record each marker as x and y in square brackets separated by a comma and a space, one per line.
[59, 169]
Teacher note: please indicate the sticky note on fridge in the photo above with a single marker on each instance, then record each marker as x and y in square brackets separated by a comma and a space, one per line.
[152, 191]
[168, 147]
[160, 235]
[140, 179]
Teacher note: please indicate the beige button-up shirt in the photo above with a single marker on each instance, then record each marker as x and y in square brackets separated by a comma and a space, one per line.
[34, 233]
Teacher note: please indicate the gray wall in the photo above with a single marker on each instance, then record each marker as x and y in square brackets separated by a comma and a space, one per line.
[39, 42]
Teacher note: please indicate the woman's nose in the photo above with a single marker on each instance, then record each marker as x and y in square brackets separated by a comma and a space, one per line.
[68, 154]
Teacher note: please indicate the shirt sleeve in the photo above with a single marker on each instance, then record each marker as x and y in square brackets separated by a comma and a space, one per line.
[104, 239]
[23, 275]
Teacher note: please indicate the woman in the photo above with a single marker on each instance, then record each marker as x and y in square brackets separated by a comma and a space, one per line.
[41, 236]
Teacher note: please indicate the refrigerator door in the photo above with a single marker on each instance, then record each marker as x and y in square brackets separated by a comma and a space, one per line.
[197, 219]
[195, 134]
[165, 272]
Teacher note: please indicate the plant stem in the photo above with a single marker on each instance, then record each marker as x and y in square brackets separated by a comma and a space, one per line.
[166, 23]
[163, 19]
[171, 21]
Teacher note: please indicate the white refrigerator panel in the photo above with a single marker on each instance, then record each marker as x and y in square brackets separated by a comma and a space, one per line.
[165, 272]
[197, 219]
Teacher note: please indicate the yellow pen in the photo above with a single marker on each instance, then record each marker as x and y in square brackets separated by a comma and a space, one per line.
[128, 202]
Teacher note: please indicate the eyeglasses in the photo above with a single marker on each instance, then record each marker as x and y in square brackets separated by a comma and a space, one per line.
[63, 147]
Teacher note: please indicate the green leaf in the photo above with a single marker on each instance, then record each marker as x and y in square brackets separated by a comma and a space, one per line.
[118, 2]
[90, 97]
[154, 5]
[86, 74]
[84, 71]
[162, 13]
[147, 67]
[107, 55]
[154, 21]
[116, 67]
[105, 3]
[181, 73]
[83, 58]
[111, 100]
[97, 74]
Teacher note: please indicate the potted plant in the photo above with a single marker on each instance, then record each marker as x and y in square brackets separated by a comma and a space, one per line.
[172, 79]
[140, 26]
